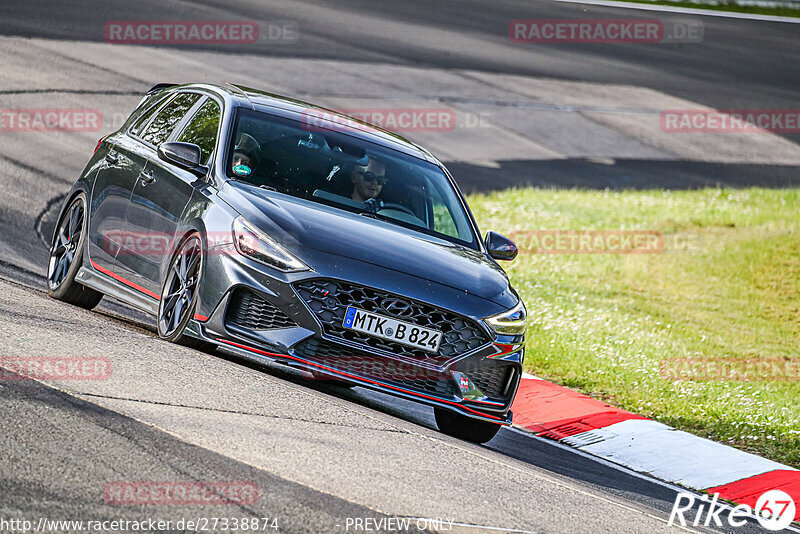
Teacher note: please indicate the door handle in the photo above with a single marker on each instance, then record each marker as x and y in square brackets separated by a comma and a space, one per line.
[147, 177]
[112, 158]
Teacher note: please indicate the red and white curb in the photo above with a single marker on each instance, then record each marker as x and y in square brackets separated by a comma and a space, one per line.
[559, 413]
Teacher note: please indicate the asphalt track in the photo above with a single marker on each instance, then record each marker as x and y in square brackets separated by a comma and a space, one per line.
[320, 455]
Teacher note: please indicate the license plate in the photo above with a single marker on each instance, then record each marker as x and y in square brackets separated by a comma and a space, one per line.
[391, 329]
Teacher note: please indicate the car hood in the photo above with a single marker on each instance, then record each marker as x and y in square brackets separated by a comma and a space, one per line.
[299, 224]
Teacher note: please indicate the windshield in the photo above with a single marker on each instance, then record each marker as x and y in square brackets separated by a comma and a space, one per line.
[348, 173]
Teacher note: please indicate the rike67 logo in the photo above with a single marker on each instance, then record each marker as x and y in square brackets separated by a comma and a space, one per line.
[774, 510]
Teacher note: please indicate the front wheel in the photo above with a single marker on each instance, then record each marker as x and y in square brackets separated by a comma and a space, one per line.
[463, 427]
[66, 255]
[180, 293]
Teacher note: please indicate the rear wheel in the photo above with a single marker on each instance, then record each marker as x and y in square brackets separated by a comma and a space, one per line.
[66, 258]
[463, 427]
[179, 295]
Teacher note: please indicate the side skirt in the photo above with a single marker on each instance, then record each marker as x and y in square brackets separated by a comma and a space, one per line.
[109, 287]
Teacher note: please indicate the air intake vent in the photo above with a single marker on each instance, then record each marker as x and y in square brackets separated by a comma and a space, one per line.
[250, 311]
[493, 381]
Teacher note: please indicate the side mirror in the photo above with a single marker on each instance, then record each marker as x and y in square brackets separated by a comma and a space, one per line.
[183, 155]
[500, 247]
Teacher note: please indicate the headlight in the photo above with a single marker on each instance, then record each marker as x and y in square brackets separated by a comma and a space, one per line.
[511, 322]
[255, 244]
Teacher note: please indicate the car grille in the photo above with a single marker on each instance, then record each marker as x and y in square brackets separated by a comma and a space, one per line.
[250, 311]
[492, 380]
[329, 299]
[366, 365]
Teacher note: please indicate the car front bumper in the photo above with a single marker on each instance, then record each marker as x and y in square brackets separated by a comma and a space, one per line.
[277, 320]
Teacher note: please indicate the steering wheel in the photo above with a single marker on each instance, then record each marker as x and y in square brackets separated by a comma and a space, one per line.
[398, 207]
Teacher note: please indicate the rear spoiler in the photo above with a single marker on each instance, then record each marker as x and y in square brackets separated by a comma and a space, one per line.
[157, 88]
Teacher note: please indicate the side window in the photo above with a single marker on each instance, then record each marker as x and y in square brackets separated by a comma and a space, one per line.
[149, 112]
[158, 130]
[143, 119]
[202, 129]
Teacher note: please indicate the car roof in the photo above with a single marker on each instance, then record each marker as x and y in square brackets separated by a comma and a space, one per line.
[247, 97]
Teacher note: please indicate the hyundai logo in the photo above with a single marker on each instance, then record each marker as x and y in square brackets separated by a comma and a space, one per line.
[397, 307]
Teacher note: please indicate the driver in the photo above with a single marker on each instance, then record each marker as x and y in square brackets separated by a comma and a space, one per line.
[368, 181]
[245, 155]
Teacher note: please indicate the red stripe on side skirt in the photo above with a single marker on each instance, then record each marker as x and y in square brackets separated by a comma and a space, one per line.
[125, 281]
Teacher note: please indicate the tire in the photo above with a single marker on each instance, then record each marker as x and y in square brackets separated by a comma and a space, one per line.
[66, 257]
[179, 295]
[463, 427]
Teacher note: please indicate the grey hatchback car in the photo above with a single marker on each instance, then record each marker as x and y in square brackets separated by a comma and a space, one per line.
[238, 219]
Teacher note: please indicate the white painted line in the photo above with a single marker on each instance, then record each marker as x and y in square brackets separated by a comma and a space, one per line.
[685, 10]
[675, 456]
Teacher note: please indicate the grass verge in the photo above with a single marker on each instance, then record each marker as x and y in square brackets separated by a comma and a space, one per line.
[725, 288]
[777, 11]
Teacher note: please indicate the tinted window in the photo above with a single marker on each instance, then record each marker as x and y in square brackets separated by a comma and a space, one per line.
[168, 117]
[154, 104]
[202, 130]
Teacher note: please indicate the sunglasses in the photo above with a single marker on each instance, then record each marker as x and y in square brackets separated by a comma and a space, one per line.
[370, 176]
